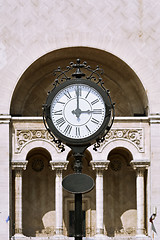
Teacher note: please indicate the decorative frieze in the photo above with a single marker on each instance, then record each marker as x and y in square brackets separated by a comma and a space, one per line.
[24, 136]
[133, 135]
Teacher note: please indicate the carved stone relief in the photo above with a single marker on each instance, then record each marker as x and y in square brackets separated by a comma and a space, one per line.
[133, 135]
[23, 136]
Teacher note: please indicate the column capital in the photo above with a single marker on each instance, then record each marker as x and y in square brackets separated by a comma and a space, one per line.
[100, 164]
[141, 164]
[19, 164]
[59, 165]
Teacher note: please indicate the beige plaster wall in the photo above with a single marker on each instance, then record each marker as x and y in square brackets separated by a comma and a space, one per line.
[128, 29]
[155, 174]
[4, 180]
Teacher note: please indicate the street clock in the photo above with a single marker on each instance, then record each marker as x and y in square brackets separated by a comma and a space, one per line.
[79, 110]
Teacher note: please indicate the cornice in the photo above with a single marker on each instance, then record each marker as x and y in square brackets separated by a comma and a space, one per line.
[19, 165]
[5, 119]
[140, 164]
[59, 165]
[154, 119]
[100, 165]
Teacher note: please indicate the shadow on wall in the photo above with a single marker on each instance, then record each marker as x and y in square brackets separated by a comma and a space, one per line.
[38, 195]
[120, 195]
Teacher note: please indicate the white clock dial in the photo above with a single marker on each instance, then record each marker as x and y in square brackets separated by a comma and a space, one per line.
[77, 111]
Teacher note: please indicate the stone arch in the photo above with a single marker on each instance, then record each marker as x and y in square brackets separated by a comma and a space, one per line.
[48, 146]
[125, 86]
[108, 147]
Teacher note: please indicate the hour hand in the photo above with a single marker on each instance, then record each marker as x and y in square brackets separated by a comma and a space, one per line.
[77, 112]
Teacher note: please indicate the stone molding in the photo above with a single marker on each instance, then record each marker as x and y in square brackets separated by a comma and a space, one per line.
[133, 135]
[100, 165]
[19, 165]
[5, 119]
[140, 164]
[59, 165]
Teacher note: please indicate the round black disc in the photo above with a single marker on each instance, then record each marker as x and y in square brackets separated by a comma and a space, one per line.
[78, 183]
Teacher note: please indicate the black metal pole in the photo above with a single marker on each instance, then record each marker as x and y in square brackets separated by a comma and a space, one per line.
[78, 197]
[78, 216]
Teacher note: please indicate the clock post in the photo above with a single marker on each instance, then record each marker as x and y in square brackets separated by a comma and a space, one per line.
[78, 113]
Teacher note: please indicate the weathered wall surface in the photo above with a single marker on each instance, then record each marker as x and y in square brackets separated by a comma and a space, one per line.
[128, 29]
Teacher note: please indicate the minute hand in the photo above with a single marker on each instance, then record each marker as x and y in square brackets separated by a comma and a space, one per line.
[97, 111]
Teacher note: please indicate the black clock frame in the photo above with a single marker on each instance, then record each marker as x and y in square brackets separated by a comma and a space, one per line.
[94, 80]
[99, 133]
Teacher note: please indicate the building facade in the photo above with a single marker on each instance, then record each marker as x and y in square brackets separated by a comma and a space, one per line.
[122, 37]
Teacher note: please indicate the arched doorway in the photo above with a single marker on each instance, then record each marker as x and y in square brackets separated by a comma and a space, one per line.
[38, 195]
[120, 194]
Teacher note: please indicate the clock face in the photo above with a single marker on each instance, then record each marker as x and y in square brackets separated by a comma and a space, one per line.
[77, 111]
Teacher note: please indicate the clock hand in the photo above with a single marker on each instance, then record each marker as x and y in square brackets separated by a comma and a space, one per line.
[91, 111]
[77, 112]
[77, 93]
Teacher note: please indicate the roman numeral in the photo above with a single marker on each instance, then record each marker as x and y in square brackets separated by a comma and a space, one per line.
[58, 112]
[60, 121]
[88, 128]
[87, 94]
[67, 94]
[68, 129]
[78, 91]
[77, 131]
[60, 102]
[94, 121]
[95, 101]
[97, 111]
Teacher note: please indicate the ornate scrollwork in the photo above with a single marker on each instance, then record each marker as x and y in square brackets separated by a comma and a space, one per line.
[93, 74]
[23, 136]
[134, 135]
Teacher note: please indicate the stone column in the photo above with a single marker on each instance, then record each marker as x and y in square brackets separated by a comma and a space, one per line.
[99, 166]
[59, 166]
[18, 167]
[140, 167]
